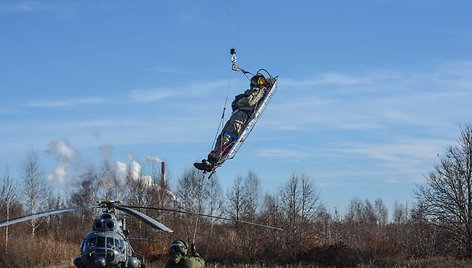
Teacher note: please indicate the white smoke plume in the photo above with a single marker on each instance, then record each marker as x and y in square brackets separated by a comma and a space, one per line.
[67, 160]
[69, 163]
[154, 158]
[135, 170]
[105, 152]
[61, 150]
[121, 170]
[59, 173]
[147, 180]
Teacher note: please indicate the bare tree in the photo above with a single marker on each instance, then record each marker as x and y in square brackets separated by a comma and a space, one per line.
[249, 235]
[400, 213]
[368, 214]
[190, 197]
[381, 212]
[270, 211]
[235, 199]
[300, 204]
[213, 202]
[190, 190]
[250, 196]
[447, 193]
[36, 190]
[422, 238]
[354, 211]
[271, 214]
[86, 189]
[8, 197]
[111, 186]
[84, 193]
[299, 199]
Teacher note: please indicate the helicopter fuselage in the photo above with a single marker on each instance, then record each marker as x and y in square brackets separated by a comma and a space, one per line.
[106, 245]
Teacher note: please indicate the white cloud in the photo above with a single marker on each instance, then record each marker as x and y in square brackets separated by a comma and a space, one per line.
[94, 123]
[153, 95]
[280, 153]
[189, 91]
[327, 79]
[167, 70]
[63, 103]
[5, 111]
[62, 9]
[23, 7]
[374, 100]
[397, 151]
[190, 15]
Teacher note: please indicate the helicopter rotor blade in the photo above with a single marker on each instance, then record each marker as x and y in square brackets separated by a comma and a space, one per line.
[145, 218]
[208, 216]
[39, 215]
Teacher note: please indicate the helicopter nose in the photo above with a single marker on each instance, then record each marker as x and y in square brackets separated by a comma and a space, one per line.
[100, 262]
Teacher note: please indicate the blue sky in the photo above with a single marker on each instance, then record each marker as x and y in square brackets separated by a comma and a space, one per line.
[370, 91]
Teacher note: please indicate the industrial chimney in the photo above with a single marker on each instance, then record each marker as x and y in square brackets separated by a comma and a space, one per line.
[163, 171]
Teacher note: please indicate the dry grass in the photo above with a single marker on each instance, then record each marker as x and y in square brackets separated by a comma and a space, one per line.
[38, 252]
[54, 253]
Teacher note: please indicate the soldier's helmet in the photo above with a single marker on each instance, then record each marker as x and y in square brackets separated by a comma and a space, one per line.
[179, 246]
[258, 81]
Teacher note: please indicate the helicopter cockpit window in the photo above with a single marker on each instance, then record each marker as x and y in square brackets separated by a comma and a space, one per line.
[92, 242]
[119, 245]
[106, 216]
[110, 242]
[101, 242]
[83, 245]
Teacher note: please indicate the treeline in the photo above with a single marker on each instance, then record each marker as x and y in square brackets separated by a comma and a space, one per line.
[437, 227]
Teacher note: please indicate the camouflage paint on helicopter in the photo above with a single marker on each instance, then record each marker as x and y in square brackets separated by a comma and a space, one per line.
[106, 245]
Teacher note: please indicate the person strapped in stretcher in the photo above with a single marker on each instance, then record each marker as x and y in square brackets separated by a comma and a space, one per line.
[243, 106]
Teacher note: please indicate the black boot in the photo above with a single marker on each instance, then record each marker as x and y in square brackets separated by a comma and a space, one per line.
[211, 160]
[204, 165]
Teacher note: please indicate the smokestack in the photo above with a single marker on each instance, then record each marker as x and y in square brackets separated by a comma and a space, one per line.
[163, 171]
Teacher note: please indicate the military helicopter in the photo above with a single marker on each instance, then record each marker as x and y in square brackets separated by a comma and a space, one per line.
[106, 244]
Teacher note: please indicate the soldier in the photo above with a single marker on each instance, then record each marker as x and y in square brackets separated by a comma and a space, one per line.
[178, 259]
[243, 105]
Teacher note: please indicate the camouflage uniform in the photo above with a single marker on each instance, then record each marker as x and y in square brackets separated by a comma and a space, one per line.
[242, 106]
[177, 260]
